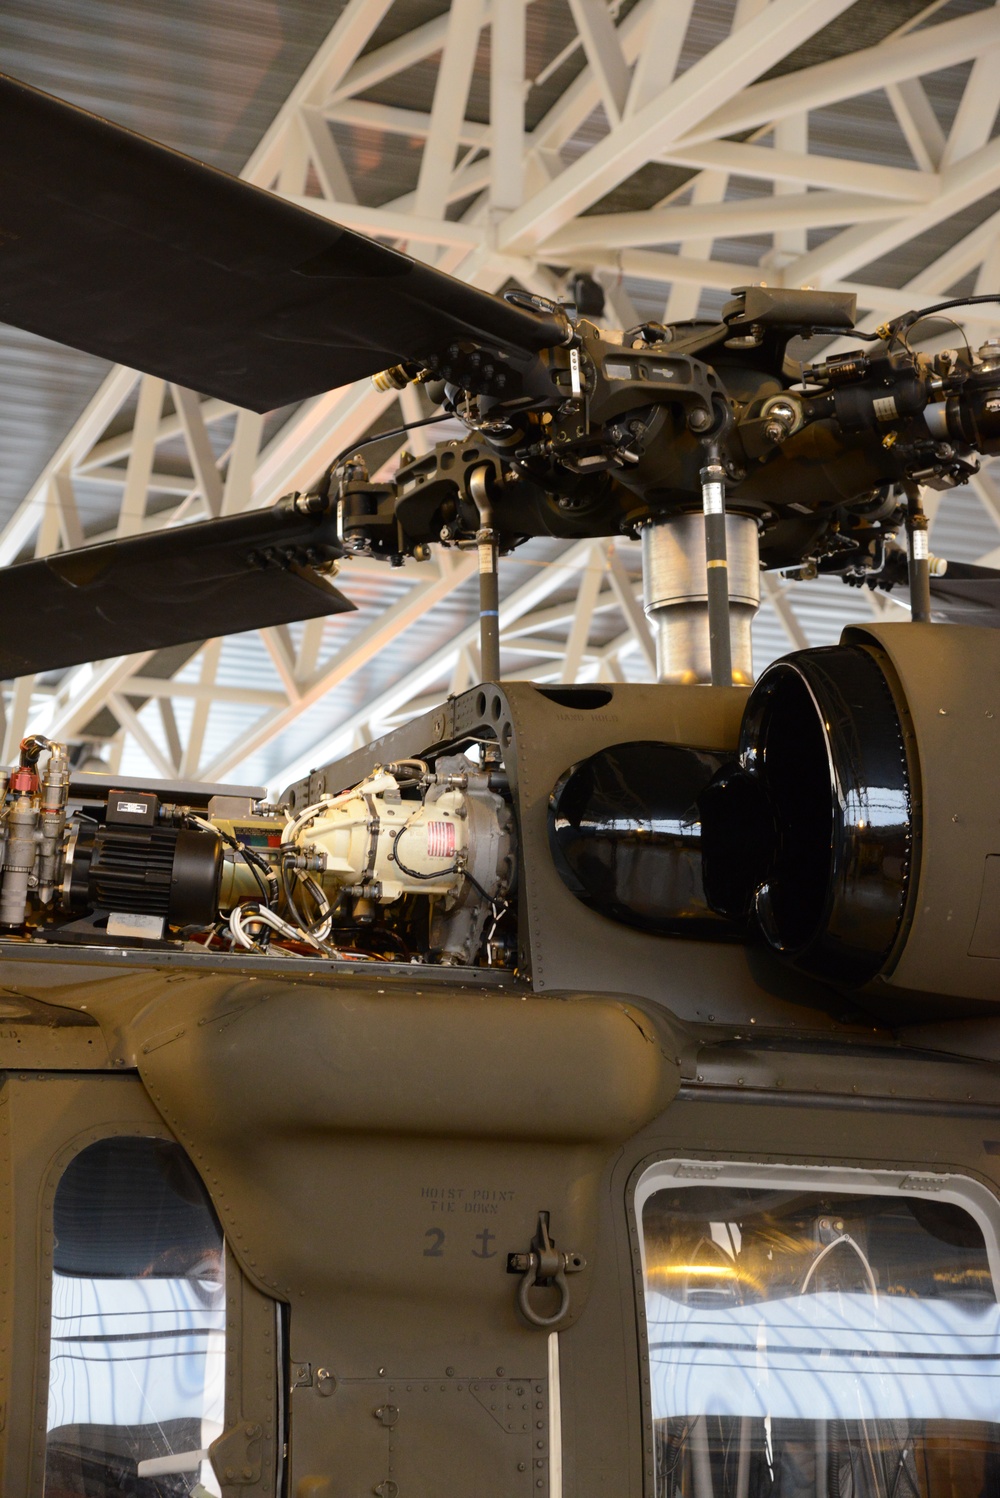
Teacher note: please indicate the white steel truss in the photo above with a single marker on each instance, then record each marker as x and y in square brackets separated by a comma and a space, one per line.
[497, 200]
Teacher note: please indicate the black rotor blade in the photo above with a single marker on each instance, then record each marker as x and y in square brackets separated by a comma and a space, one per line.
[126, 249]
[167, 588]
[967, 594]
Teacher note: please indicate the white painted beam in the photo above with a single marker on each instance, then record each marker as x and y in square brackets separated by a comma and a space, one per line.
[583, 96]
[412, 123]
[394, 57]
[326, 159]
[388, 223]
[200, 451]
[658, 59]
[977, 111]
[200, 691]
[791, 136]
[87, 689]
[507, 93]
[652, 265]
[707, 192]
[848, 77]
[465, 19]
[114, 449]
[156, 483]
[344, 42]
[838, 173]
[591, 581]
[140, 463]
[210, 656]
[918, 122]
[238, 490]
[810, 210]
[171, 732]
[631, 606]
[972, 178]
[669, 115]
[277, 643]
[776, 594]
[63, 497]
[129, 718]
[603, 48]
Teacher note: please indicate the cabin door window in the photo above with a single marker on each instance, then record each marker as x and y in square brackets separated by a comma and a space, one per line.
[820, 1337]
[136, 1366]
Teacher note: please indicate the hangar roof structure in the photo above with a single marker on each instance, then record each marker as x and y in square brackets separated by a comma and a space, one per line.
[673, 149]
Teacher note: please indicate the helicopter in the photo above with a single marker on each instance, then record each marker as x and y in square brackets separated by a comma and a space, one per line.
[578, 1090]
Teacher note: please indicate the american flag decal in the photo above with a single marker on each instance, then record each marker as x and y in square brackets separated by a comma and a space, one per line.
[440, 839]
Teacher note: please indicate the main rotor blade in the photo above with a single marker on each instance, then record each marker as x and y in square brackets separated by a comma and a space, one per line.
[967, 594]
[126, 249]
[168, 588]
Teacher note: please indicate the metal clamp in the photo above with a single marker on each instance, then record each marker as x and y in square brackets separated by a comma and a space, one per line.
[544, 1265]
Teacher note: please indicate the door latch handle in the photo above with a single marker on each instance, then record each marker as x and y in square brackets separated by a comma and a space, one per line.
[544, 1266]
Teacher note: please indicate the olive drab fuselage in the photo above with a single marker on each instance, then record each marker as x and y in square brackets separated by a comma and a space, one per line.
[431, 1184]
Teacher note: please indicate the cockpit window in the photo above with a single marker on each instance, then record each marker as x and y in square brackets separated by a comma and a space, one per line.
[819, 1343]
[136, 1366]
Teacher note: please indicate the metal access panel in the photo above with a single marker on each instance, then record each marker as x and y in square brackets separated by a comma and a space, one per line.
[446, 1436]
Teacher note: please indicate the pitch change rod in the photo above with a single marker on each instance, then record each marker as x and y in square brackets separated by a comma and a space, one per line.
[713, 500]
[489, 586]
[918, 558]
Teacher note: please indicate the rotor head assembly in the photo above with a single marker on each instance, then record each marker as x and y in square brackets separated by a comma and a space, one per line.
[702, 437]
